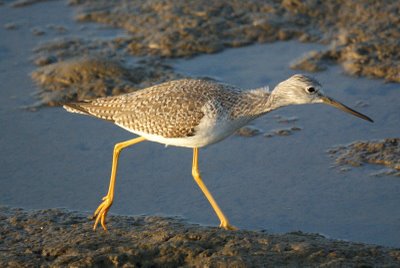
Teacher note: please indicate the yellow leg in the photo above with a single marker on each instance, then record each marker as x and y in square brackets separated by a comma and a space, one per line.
[101, 212]
[196, 175]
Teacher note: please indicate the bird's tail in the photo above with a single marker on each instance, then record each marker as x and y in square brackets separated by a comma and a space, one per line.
[91, 108]
[76, 108]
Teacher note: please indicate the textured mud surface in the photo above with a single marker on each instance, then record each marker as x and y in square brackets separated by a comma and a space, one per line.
[74, 69]
[384, 152]
[362, 36]
[83, 78]
[248, 131]
[60, 238]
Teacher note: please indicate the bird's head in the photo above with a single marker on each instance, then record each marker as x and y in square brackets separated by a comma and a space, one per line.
[302, 89]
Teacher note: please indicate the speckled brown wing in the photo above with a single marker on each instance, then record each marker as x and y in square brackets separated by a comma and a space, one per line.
[172, 109]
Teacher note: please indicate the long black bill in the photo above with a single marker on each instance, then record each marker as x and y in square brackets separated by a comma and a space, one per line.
[344, 108]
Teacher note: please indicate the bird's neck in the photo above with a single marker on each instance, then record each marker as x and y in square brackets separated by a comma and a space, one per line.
[257, 102]
[253, 103]
[277, 100]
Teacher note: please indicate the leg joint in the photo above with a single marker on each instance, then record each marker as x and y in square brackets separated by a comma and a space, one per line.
[118, 147]
[195, 173]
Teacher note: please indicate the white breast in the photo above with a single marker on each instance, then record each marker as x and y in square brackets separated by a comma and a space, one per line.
[209, 131]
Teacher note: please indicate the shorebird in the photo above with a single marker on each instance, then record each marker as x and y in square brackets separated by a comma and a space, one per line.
[194, 113]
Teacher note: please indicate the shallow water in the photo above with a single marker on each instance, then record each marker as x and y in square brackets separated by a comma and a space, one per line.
[287, 183]
[51, 158]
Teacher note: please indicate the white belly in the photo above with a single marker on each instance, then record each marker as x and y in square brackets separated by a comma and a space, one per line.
[209, 131]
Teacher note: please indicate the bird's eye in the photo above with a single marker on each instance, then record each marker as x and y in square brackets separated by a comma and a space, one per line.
[311, 90]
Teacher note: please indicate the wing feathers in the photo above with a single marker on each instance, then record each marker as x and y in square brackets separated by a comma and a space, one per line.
[88, 108]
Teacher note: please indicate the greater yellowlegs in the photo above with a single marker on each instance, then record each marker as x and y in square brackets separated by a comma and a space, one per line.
[194, 113]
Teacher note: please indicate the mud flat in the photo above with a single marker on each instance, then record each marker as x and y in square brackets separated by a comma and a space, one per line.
[77, 79]
[58, 238]
[362, 37]
[383, 152]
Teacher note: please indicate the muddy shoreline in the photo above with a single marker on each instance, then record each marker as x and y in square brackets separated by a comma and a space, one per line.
[62, 160]
[59, 238]
[384, 153]
[362, 38]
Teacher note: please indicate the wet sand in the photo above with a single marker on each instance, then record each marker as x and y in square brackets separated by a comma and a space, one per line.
[58, 238]
[279, 180]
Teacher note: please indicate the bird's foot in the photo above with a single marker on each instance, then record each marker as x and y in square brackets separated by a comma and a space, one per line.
[101, 212]
[227, 226]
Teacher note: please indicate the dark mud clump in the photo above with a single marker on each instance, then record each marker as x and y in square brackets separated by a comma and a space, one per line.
[384, 152]
[84, 78]
[363, 36]
[79, 79]
[58, 238]
[282, 132]
[285, 131]
[60, 49]
[11, 26]
[248, 131]
[74, 69]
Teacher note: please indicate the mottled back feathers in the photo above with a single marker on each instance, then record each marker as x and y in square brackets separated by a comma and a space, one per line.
[172, 109]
